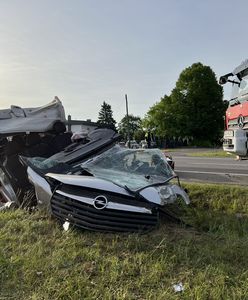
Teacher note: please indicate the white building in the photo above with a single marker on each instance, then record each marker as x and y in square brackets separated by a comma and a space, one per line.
[78, 125]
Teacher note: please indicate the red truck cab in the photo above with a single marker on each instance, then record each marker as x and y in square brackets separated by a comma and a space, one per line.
[236, 121]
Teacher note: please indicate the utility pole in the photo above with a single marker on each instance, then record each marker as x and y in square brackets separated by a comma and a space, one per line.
[128, 125]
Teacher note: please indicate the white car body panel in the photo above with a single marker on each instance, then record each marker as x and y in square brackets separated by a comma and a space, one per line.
[39, 119]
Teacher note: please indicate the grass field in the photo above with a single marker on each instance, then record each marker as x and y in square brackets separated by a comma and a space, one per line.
[38, 260]
[201, 153]
[213, 153]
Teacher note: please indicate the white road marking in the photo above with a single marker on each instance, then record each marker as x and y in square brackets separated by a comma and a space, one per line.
[201, 157]
[215, 173]
[216, 164]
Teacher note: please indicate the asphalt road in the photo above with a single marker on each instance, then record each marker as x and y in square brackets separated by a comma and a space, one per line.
[219, 170]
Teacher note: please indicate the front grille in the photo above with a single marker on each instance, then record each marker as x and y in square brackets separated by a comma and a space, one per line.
[86, 216]
[233, 124]
[93, 193]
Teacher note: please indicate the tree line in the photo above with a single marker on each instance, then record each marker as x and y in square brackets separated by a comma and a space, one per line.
[193, 114]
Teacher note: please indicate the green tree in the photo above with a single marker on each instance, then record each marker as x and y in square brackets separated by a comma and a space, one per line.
[197, 102]
[156, 118]
[105, 116]
[134, 124]
[194, 109]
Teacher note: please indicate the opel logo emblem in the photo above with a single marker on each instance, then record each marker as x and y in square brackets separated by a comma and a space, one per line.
[100, 202]
[241, 121]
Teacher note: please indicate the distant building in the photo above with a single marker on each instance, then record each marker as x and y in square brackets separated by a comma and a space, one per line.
[78, 125]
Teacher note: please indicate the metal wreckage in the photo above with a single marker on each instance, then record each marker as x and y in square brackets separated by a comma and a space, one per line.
[88, 181]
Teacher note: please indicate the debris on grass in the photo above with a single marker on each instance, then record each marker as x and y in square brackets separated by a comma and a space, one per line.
[66, 225]
[178, 287]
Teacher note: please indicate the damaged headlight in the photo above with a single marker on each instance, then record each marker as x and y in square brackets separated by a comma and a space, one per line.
[169, 193]
[166, 194]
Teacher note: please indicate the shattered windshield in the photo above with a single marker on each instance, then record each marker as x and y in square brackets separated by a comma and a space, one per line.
[44, 165]
[131, 168]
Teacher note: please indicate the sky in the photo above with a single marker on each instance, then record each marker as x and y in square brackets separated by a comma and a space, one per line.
[90, 51]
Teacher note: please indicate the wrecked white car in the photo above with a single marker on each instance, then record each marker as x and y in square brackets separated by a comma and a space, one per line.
[91, 183]
[118, 190]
